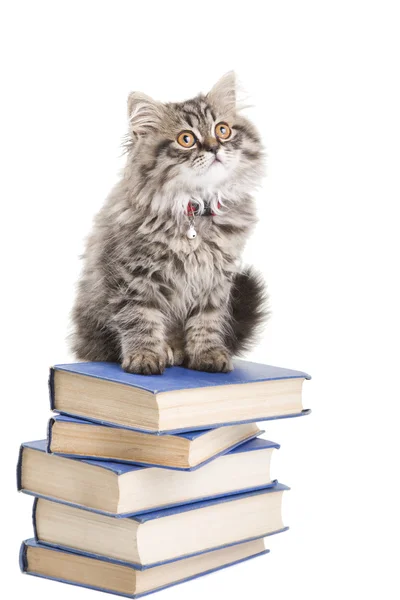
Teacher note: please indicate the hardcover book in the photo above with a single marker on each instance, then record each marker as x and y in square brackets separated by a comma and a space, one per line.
[122, 490]
[178, 400]
[69, 436]
[108, 576]
[161, 536]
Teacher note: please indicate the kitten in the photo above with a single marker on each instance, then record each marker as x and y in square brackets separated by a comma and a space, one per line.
[154, 291]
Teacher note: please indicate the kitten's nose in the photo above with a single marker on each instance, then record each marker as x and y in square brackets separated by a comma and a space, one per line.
[211, 145]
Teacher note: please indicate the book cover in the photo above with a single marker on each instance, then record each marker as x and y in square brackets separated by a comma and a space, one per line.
[168, 512]
[121, 468]
[179, 378]
[189, 435]
[32, 543]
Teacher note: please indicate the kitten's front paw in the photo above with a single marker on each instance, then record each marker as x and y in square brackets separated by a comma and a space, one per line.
[144, 362]
[213, 361]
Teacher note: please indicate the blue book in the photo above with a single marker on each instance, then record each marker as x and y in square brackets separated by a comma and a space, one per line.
[73, 437]
[109, 576]
[179, 400]
[121, 490]
[162, 536]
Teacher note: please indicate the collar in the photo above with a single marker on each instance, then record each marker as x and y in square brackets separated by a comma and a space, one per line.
[192, 209]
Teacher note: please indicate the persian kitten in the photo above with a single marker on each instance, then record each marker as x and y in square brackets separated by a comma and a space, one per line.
[162, 283]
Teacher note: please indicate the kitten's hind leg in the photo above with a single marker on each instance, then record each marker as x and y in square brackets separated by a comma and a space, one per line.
[176, 345]
[176, 353]
[92, 342]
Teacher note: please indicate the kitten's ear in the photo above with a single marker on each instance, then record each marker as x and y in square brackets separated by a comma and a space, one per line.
[144, 113]
[223, 94]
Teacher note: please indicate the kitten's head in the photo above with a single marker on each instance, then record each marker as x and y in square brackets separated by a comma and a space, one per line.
[201, 145]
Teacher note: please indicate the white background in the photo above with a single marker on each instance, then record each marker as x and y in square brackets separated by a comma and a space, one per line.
[324, 79]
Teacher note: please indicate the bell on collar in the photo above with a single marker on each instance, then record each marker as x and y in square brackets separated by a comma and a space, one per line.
[191, 233]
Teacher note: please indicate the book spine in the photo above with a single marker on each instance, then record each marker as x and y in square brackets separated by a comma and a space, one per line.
[34, 509]
[23, 563]
[51, 388]
[49, 435]
[19, 469]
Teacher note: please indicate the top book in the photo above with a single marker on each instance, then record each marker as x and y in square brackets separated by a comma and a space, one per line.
[179, 400]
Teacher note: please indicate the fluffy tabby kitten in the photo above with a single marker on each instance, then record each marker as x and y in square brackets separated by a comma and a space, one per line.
[153, 294]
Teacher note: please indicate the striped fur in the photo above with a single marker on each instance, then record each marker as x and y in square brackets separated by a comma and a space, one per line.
[148, 296]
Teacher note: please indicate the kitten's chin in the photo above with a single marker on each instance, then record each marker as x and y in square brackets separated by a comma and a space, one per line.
[215, 175]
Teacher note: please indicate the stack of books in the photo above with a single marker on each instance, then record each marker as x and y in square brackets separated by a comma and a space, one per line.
[148, 481]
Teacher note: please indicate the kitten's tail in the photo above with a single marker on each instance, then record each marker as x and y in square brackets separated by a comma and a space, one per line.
[249, 311]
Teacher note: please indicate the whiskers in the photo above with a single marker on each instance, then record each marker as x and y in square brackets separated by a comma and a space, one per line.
[127, 143]
[202, 163]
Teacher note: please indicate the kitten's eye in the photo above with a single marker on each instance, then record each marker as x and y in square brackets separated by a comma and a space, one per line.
[223, 131]
[186, 139]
